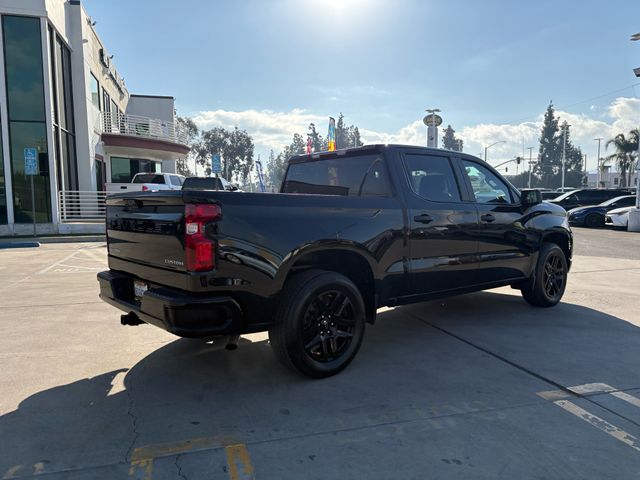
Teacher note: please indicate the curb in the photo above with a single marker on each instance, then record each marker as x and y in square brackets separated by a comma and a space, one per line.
[19, 245]
[74, 239]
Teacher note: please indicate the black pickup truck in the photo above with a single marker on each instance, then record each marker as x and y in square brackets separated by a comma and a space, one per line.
[350, 231]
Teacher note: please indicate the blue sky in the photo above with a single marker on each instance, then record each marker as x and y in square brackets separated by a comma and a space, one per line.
[270, 66]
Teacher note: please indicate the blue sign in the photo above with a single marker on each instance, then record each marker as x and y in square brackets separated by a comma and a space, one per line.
[30, 161]
[216, 164]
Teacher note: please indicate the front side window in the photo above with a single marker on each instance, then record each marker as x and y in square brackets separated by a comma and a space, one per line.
[487, 187]
[176, 181]
[432, 177]
[362, 175]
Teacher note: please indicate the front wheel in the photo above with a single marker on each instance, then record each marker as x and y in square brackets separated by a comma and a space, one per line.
[594, 220]
[320, 323]
[550, 277]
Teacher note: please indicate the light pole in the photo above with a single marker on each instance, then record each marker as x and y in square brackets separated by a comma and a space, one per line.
[433, 112]
[599, 139]
[487, 148]
[530, 164]
[565, 127]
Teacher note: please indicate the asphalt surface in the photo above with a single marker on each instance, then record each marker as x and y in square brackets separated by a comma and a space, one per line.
[476, 386]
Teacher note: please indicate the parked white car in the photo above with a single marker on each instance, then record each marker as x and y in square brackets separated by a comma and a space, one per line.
[618, 217]
[143, 182]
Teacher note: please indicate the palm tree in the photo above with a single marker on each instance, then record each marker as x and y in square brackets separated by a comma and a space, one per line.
[626, 153]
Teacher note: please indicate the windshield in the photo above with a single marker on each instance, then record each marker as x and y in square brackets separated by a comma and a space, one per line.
[564, 195]
[614, 200]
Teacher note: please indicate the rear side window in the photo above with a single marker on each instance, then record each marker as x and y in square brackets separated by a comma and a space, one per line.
[432, 177]
[363, 175]
[149, 178]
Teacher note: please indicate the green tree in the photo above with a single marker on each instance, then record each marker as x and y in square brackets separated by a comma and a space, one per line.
[549, 153]
[235, 148]
[318, 144]
[189, 133]
[450, 141]
[343, 139]
[625, 156]
[276, 166]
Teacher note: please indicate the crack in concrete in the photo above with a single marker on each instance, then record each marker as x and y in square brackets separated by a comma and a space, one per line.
[179, 468]
[134, 421]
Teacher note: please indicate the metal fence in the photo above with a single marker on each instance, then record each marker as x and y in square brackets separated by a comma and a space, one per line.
[138, 126]
[81, 206]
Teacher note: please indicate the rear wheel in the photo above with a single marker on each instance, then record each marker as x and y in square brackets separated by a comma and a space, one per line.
[550, 277]
[320, 323]
[594, 220]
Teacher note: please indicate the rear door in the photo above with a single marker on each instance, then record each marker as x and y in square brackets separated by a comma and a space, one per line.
[441, 225]
[504, 243]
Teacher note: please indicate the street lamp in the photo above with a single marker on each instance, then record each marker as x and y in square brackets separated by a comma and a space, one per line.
[599, 139]
[433, 112]
[565, 127]
[487, 148]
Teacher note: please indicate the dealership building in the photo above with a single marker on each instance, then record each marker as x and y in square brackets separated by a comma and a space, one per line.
[64, 103]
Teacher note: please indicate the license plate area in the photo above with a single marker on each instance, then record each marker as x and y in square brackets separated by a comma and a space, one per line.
[139, 287]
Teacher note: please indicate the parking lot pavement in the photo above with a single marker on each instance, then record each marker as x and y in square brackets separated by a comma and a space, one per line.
[476, 386]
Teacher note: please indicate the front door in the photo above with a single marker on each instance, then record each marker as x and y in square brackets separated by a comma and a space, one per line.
[504, 243]
[441, 243]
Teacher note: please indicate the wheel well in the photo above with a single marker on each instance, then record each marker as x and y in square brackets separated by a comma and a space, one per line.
[351, 265]
[562, 241]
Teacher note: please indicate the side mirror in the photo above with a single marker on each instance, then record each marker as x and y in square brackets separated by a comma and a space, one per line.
[531, 197]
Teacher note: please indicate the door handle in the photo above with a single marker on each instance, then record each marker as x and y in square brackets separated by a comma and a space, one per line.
[487, 217]
[424, 218]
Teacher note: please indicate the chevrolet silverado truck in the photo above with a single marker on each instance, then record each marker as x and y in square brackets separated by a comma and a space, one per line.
[350, 231]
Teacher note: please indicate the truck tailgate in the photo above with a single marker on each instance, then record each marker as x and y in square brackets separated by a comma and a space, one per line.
[147, 229]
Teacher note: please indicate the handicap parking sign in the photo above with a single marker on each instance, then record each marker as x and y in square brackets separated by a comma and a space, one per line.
[30, 161]
[216, 165]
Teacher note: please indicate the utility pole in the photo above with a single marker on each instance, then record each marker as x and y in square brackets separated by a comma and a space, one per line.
[565, 127]
[585, 181]
[530, 164]
[599, 139]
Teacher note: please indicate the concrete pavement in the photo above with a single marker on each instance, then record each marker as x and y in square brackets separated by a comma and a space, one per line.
[474, 386]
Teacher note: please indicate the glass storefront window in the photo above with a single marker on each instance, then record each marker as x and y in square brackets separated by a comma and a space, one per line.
[3, 194]
[30, 135]
[123, 169]
[23, 61]
[26, 112]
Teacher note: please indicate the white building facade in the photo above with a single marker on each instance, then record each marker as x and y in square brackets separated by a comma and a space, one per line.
[62, 96]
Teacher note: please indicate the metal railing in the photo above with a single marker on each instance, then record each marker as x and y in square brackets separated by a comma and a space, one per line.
[138, 126]
[81, 206]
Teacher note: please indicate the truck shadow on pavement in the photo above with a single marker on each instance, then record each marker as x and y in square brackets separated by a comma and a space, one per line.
[422, 362]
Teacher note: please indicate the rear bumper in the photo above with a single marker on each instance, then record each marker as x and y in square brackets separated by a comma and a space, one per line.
[176, 311]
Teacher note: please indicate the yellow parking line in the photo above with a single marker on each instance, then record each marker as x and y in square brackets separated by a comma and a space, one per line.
[239, 463]
[141, 469]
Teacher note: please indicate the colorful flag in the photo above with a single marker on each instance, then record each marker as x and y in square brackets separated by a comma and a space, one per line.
[309, 145]
[331, 136]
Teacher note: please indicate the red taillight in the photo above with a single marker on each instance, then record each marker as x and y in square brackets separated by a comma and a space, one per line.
[200, 251]
[145, 188]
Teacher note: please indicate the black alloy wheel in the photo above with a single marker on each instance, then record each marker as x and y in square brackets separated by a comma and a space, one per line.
[320, 323]
[594, 220]
[328, 326]
[547, 285]
[554, 275]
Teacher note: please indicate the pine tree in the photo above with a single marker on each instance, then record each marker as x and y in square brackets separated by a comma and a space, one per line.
[342, 133]
[550, 152]
[449, 140]
[317, 142]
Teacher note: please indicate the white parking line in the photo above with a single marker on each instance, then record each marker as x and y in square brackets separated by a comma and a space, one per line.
[635, 401]
[600, 424]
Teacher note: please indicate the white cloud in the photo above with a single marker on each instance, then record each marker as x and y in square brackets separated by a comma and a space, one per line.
[274, 130]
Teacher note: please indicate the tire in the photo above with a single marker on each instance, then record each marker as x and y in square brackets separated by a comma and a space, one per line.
[549, 281]
[593, 220]
[320, 323]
